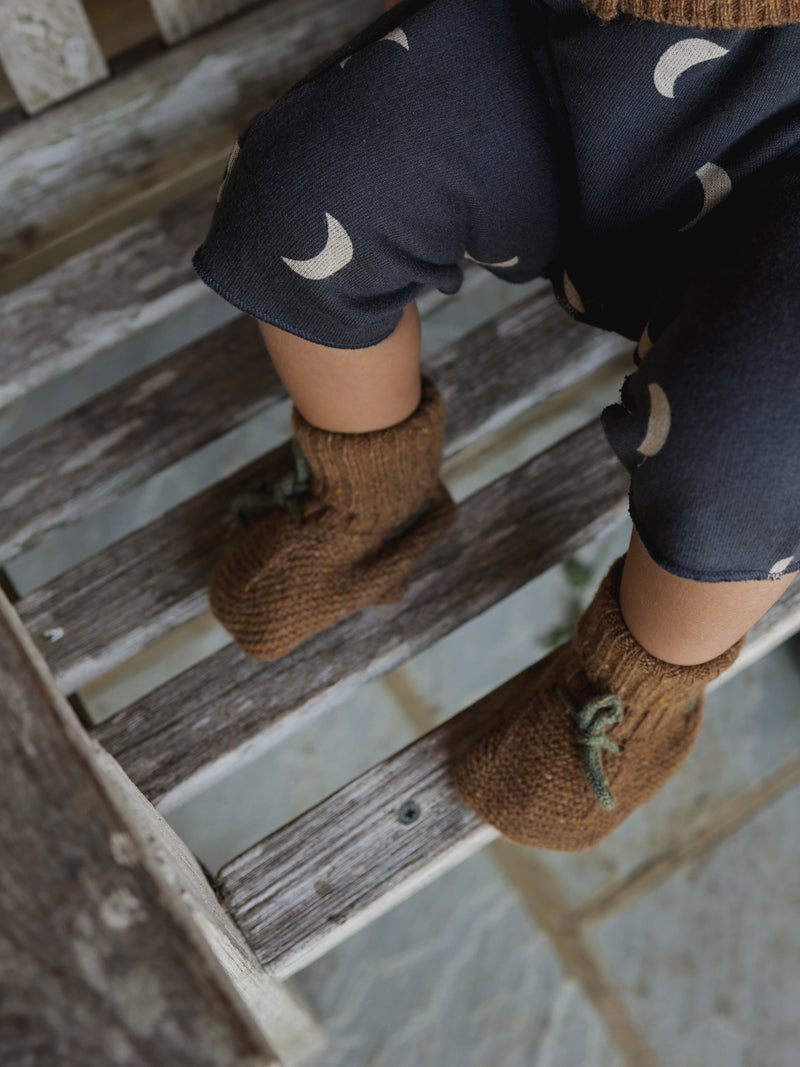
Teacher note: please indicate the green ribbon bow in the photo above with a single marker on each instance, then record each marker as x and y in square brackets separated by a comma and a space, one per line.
[591, 722]
[286, 493]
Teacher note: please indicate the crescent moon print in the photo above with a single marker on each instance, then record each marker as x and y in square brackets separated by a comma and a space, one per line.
[660, 422]
[506, 263]
[679, 58]
[780, 567]
[337, 253]
[573, 296]
[717, 186]
[645, 342]
[233, 156]
[397, 35]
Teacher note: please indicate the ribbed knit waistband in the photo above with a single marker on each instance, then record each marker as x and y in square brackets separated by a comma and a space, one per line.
[707, 14]
[704, 14]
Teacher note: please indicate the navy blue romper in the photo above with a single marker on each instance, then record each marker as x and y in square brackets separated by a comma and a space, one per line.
[650, 172]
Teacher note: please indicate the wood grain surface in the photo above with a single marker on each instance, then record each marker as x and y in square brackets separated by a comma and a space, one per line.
[78, 463]
[96, 301]
[178, 19]
[99, 964]
[161, 121]
[317, 880]
[49, 51]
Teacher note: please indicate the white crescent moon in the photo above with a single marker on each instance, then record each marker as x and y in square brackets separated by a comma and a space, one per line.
[679, 58]
[573, 296]
[506, 263]
[645, 342]
[337, 253]
[717, 185]
[660, 422]
[397, 34]
[782, 565]
[232, 157]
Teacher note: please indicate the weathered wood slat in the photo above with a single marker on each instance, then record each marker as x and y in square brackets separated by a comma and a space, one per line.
[49, 51]
[178, 19]
[119, 290]
[77, 463]
[100, 962]
[285, 1023]
[313, 883]
[106, 609]
[158, 123]
[116, 603]
[188, 730]
[119, 27]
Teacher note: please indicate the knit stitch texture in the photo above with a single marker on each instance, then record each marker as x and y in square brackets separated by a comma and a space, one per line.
[532, 775]
[707, 14]
[374, 509]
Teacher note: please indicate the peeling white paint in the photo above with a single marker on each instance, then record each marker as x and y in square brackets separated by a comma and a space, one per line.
[122, 909]
[140, 1000]
[123, 849]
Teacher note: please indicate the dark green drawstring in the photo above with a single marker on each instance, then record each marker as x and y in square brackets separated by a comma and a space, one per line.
[285, 493]
[591, 722]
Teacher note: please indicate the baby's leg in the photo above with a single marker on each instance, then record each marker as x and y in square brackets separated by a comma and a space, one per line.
[351, 390]
[685, 622]
[364, 506]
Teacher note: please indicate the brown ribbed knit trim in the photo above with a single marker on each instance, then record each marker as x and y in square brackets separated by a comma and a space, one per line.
[615, 661]
[382, 477]
[705, 14]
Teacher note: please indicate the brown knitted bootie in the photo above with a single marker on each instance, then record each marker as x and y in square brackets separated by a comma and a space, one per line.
[346, 530]
[604, 727]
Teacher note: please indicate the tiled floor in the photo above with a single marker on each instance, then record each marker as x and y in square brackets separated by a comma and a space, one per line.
[458, 975]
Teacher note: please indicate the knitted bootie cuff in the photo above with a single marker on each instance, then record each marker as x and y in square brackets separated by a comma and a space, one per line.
[383, 477]
[614, 659]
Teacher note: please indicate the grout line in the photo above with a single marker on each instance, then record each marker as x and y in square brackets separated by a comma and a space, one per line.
[542, 895]
[708, 831]
[421, 714]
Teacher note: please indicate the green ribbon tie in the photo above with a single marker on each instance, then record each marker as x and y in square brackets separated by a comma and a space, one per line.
[591, 721]
[286, 493]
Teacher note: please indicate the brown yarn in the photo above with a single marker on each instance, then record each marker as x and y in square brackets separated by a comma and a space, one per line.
[280, 581]
[528, 775]
[706, 14]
